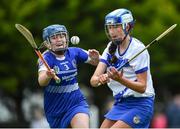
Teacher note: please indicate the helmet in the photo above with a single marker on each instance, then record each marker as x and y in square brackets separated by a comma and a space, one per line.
[119, 17]
[55, 29]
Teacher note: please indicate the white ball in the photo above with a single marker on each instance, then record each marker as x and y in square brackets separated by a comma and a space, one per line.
[75, 40]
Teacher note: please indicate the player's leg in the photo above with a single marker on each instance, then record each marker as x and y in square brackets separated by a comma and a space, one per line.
[120, 124]
[107, 123]
[80, 120]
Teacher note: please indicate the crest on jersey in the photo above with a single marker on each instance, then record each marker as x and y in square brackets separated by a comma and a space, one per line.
[56, 69]
[136, 119]
[74, 63]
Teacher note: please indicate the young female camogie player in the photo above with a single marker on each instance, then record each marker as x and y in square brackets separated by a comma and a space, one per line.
[132, 85]
[64, 104]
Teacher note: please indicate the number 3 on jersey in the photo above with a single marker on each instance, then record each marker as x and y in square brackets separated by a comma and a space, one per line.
[65, 64]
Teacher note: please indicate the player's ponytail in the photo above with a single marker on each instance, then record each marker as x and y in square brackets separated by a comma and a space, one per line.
[112, 50]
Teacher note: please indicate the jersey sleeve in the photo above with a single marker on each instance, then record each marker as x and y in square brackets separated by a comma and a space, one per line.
[105, 56]
[141, 63]
[81, 55]
[41, 65]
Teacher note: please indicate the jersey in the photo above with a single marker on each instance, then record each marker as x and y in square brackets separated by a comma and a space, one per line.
[139, 65]
[61, 97]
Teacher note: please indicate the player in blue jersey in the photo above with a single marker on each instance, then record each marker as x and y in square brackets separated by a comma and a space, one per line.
[64, 104]
[132, 85]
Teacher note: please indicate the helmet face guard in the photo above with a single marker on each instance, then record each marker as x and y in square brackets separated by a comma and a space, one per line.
[119, 17]
[115, 40]
[54, 30]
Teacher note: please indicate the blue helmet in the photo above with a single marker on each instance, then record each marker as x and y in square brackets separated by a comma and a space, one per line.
[119, 17]
[55, 29]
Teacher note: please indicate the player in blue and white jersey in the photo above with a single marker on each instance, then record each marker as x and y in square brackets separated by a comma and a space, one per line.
[64, 104]
[132, 85]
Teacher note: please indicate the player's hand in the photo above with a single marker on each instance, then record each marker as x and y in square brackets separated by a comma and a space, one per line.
[50, 74]
[114, 74]
[103, 79]
[94, 55]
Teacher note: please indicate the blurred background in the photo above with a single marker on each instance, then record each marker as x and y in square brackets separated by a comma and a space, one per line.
[21, 98]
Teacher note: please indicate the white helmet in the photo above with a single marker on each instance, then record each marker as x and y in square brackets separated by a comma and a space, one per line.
[119, 17]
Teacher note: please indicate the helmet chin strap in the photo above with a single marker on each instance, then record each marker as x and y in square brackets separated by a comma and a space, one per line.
[59, 51]
[119, 41]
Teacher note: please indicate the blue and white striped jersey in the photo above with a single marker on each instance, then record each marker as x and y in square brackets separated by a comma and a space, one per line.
[138, 65]
[61, 97]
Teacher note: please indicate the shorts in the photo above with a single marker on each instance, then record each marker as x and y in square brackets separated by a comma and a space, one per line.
[63, 120]
[134, 111]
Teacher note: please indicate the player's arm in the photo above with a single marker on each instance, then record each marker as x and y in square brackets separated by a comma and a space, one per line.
[140, 66]
[45, 76]
[139, 85]
[91, 56]
[99, 77]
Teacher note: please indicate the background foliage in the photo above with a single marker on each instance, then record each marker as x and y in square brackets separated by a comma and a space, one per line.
[85, 18]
